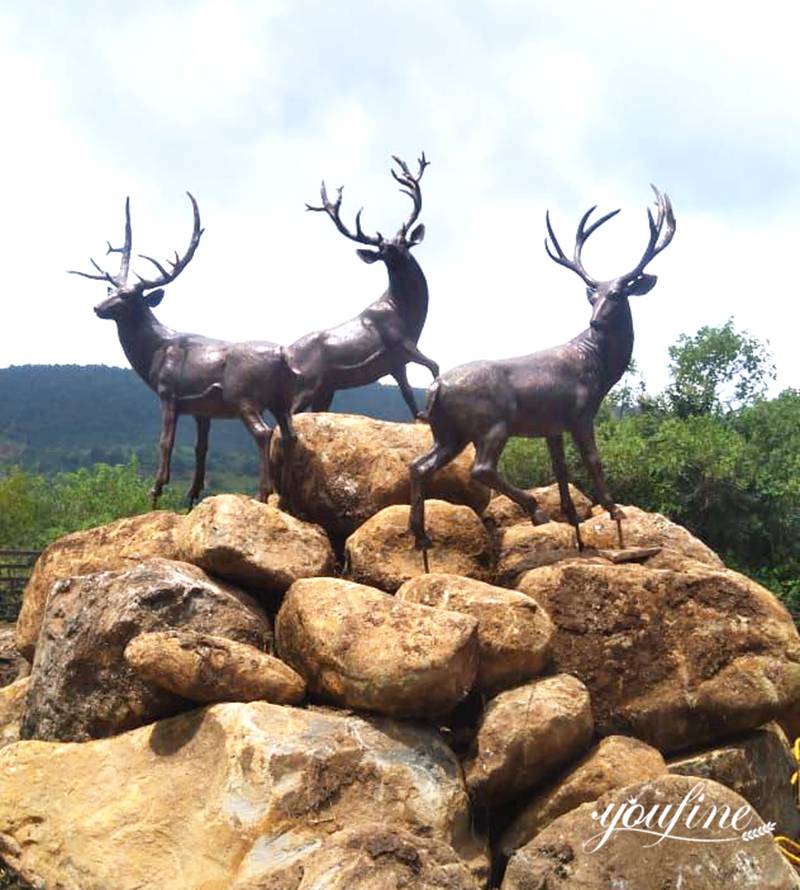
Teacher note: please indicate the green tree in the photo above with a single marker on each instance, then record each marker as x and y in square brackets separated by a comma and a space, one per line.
[717, 370]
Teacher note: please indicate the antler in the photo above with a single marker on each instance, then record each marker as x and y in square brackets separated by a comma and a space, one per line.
[580, 239]
[656, 243]
[410, 187]
[179, 263]
[332, 209]
[121, 278]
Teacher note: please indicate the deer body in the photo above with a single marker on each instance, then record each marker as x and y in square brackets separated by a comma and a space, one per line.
[196, 375]
[382, 339]
[545, 394]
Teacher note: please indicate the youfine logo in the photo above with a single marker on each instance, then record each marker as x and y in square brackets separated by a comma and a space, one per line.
[690, 821]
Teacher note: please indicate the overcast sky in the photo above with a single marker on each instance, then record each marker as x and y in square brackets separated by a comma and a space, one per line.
[519, 106]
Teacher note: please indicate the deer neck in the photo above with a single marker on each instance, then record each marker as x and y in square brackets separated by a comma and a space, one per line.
[408, 290]
[611, 347]
[141, 336]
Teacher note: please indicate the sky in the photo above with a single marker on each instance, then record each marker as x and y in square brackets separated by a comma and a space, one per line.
[519, 106]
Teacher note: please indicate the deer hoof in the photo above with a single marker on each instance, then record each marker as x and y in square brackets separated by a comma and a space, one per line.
[540, 517]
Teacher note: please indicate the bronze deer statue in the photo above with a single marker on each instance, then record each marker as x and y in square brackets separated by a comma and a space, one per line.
[192, 374]
[383, 338]
[544, 394]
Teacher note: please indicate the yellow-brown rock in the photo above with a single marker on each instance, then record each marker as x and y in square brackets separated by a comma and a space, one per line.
[514, 632]
[12, 664]
[12, 707]
[381, 552]
[196, 801]
[755, 766]
[524, 546]
[572, 853]
[81, 686]
[525, 735]
[678, 659]
[502, 512]
[206, 668]
[119, 545]
[361, 648]
[346, 468]
[253, 544]
[616, 762]
[372, 856]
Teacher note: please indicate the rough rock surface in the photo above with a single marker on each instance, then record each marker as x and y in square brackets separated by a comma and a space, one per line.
[205, 668]
[616, 762]
[81, 686]
[525, 734]
[381, 552]
[756, 767]
[347, 468]
[502, 512]
[193, 802]
[119, 545]
[361, 648]
[514, 632]
[565, 855]
[12, 707]
[524, 545]
[12, 664]
[676, 659]
[250, 543]
[368, 857]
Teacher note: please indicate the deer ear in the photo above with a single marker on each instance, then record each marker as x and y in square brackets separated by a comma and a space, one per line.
[154, 297]
[369, 256]
[417, 235]
[591, 295]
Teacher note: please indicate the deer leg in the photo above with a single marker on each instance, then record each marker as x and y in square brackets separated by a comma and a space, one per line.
[321, 400]
[401, 379]
[412, 351]
[288, 441]
[484, 470]
[169, 417]
[262, 434]
[584, 439]
[439, 456]
[556, 446]
[200, 452]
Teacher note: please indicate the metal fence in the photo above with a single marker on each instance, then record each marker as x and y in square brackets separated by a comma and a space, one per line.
[15, 567]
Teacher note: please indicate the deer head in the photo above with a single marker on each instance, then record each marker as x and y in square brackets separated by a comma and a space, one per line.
[609, 298]
[125, 299]
[385, 248]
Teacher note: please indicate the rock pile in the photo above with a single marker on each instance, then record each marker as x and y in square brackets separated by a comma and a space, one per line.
[216, 701]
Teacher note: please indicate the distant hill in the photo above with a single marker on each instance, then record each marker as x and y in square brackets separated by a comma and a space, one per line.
[61, 417]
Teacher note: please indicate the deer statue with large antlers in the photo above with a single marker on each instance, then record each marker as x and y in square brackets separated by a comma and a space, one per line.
[191, 374]
[383, 338]
[545, 394]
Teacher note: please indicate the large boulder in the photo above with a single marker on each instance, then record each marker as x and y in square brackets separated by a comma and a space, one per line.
[514, 632]
[756, 766]
[372, 856]
[608, 844]
[523, 546]
[82, 687]
[361, 648]
[616, 762]
[253, 544]
[678, 659]
[230, 790]
[346, 468]
[12, 709]
[502, 512]
[381, 552]
[119, 545]
[207, 668]
[525, 734]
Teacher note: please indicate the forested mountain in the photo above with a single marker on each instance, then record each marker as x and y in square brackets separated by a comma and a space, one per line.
[61, 417]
